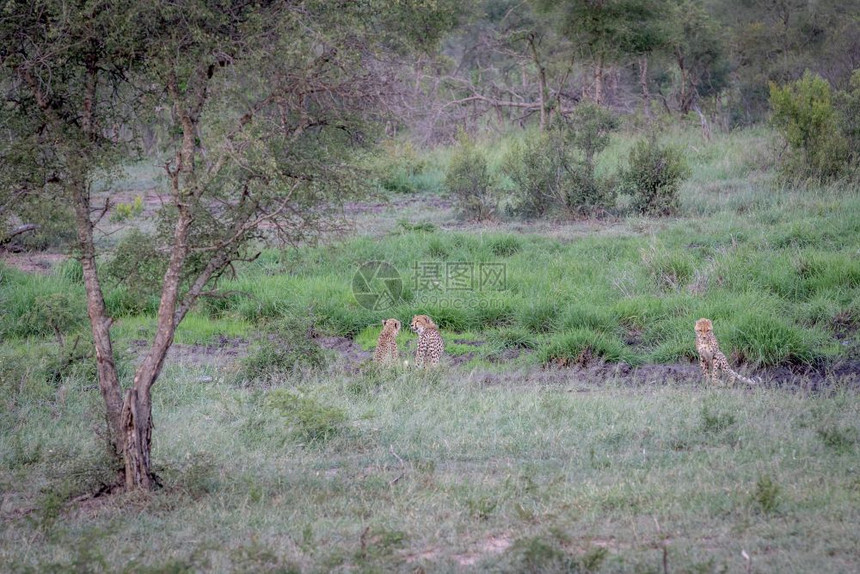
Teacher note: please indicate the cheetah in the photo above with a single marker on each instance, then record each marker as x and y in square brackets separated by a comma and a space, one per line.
[386, 345]
[430, 345]
[711, 359]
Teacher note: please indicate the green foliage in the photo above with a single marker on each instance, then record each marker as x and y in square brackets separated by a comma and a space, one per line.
[581, 346]
[505, 245]
[513, 338]
[125, 211]
[53, 314]
[539, 316]
[137, 267]
[468, 181]
[841, 440]
[767, 494]
[653, 177]
[424, 226]
[556, 169]
[534, 165]
[307, 419]
[401, 168]
[588, 129]
[766, 340]
[72, 271]
[848, 104]
[280, 346]
[804, 113]
[669, 269]
[54, 221]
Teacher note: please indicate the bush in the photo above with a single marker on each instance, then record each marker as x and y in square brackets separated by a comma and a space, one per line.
[139, 267]
[54, 220]
[653, 177]
[125, 211]
[54, 314]
[804, 114]
[534, 166]
[555, 169]
[468, 181]
[308, 420]
[588, 130]
[400, 170]
[281, 346]
[848, 104]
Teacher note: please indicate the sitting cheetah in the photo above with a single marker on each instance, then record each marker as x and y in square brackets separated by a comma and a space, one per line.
[430, 345]
[711, 359]
[386, 345]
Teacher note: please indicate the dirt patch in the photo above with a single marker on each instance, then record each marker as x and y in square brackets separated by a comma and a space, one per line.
[490, 546]
[349, 353]
[802, 378]
[397, 204]
[41, 263]
[222, 353]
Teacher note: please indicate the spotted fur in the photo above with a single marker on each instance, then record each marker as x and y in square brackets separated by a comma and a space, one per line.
[386, 345]
[711, 359]
[430, 344]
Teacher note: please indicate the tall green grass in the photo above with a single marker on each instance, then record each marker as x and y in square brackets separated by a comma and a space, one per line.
[774, 301]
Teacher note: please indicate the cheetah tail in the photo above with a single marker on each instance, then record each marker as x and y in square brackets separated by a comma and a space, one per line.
[743, 378]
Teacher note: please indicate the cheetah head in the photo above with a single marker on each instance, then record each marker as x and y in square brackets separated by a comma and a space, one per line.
[391, 326]
[704, 326]
[421, 322]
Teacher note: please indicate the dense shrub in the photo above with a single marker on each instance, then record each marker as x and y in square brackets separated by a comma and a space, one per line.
[848, 104]
[653, 177]
[555, 169]
[469, 183]
[804, 113]
[282, 345]
[588, 130]
[401, 168]
[534, 166]
[307, 419]
[55, 224]
[138, 268]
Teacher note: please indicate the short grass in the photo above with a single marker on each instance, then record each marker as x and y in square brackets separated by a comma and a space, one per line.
[370, 472]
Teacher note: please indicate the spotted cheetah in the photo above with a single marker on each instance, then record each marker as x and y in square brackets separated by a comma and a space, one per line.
[430, 345]
[711, 359]
[386, 345]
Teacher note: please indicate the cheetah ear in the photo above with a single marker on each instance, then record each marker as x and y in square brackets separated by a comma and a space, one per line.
[383, 322]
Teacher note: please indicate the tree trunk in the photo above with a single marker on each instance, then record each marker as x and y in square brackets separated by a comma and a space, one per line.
[99, 321]
[545, 107]
[138, 443]
[685, 99]
[706, 129]
[643, 83]
[598, 81]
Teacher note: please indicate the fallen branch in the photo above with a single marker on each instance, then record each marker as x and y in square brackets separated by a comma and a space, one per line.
[18, 231]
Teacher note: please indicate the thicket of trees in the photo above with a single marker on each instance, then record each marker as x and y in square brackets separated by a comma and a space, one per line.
[512, 60]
